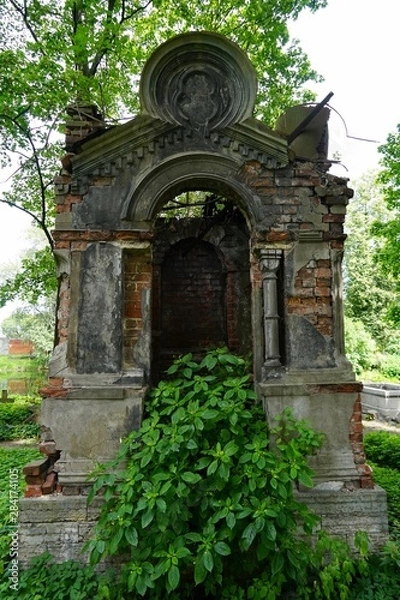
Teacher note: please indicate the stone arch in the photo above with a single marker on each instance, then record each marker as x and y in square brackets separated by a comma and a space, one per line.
[188, 171]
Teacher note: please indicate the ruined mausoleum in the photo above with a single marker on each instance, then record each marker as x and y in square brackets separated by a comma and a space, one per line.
[194, 225]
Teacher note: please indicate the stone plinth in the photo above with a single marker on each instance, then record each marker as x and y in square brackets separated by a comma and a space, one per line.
[88, 425]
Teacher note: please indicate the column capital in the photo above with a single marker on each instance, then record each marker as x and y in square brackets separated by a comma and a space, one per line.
[270, 259]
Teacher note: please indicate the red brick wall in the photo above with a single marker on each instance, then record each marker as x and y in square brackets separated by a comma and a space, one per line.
[20, 347]
[137, 277]
[313, 295]
[193, 298]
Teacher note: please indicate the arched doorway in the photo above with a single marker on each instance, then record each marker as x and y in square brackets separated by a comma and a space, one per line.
[201, 279]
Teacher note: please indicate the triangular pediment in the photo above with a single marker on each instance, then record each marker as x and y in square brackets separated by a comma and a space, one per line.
[125, 145]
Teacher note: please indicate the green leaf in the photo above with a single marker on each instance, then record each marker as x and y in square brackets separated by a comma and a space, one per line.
[190, 477]
[224, 471]
[100, 546]
[249, 535]
[165, 487]
[145, 460]
[222, 549]
[270, 530]
[282, 491]
[274, 483]
[259, 524]
[305, 479]
[141, 585]
[131, 536]
[161, 505]
[173, 577]
[132, 579]
[198, 423]
[210, 361]
[277, 563]
[261, 463]
[192, 444]
[162, 568]
[212, 467]
[147, 518]
[182, 552]
[203, 462]
[231, 448]
[231, 520]
[233, 418]
[193, 537]
[244, 513]
[200, 572]
[246, 457]
[208, 560]
[115, 540]
[209, 414]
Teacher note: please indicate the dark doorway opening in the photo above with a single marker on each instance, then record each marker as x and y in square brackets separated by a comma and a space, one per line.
[193, 316]
[201, 279]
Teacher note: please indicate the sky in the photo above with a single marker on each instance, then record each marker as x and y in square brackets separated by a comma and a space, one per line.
[354, 45]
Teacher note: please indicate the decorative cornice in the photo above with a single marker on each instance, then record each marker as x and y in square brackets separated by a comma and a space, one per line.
[122, 148]
[254, 140]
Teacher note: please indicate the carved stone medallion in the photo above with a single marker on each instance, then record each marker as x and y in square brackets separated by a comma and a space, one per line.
[200, 80]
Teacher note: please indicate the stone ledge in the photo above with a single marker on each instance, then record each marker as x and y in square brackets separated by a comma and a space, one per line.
[56, 508]
[61, 525]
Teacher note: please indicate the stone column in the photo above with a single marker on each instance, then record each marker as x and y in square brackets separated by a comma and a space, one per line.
[269, 262]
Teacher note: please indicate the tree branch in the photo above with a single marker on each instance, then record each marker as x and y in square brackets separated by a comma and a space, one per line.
[24, 14]
[34, 217]
[43, 187]
[109, 38]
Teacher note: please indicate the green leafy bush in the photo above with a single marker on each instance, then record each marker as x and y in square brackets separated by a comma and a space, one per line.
[390, 366]
[71, 580]
[361, 349]
[383, 448]
[379, 579]
[383, 451]
[18, 420]
[389, 480]
[201, 503]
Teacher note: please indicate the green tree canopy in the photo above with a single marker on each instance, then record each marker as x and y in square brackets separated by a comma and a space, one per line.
[33, 324]
[389, 230]
[370, 292]
[59, 51]
[56, 53]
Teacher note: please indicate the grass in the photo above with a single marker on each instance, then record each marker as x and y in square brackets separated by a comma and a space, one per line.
[15, 365]
[19, 419]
